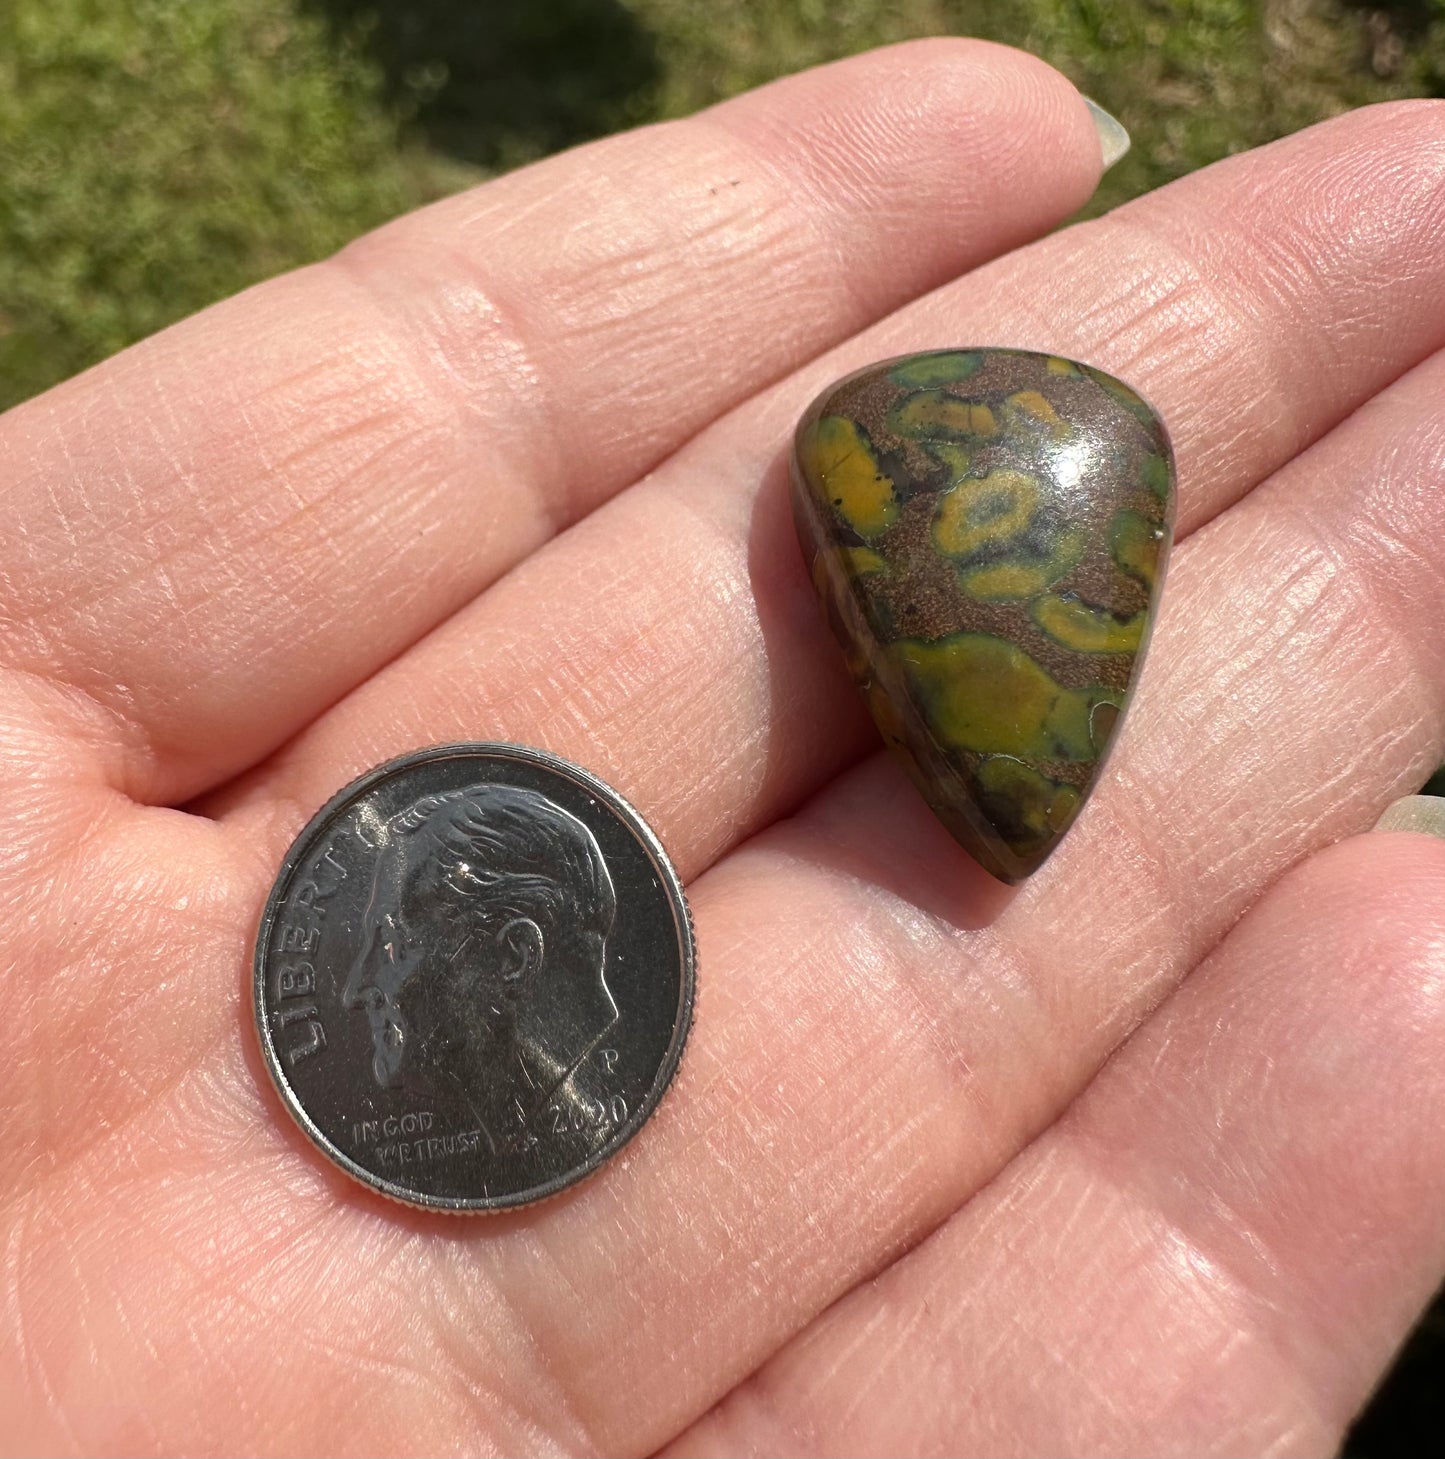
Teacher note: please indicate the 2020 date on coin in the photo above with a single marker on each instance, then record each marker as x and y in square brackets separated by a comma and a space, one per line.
[474, 976]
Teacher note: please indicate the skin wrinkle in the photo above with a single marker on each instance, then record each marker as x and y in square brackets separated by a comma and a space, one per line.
[1141, 1085]
[1180, 1272]
[1207, 319]
[23, 1148]
[565, 1429]
[29, 1355]
[533, 1327]
[1153, 891]
[822, 240]
[860, 1396]
[1418, 184]
[471, 1301]
[1327, 228]
[81, 730]
[846, 164]
[1236, 1281]
[64, 593]
[47, 865]
[1021, 984]
[280, 1273]
[571, 692]
[1295, 641]
[88, 1349]
[32, 1158]
[1142, 799]
[120, 704]
[1379, 596]
[1244, 1322]
[1264, 1273]
[1384, 552]
[1224, 1295]
[504, 360]
[863, 1272]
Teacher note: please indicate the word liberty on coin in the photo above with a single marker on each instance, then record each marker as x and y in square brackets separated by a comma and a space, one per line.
[474, 976]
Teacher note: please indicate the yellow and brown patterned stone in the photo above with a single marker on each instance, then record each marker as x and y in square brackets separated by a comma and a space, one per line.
[988, 531]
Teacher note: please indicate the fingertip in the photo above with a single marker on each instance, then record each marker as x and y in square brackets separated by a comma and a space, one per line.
[1379, 876]
[957, 131]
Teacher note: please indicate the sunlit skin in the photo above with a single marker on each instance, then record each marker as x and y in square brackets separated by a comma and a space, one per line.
[514, 469]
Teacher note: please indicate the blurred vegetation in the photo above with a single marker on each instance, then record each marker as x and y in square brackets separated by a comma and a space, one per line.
[159, 154]
[156, 155]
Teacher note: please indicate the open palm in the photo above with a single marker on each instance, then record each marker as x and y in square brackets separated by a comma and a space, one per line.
[938, 1173]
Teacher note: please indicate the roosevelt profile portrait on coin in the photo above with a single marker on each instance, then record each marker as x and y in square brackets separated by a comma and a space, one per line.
[482, 964]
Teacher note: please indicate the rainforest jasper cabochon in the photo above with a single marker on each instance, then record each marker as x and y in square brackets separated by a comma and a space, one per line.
[987, 530]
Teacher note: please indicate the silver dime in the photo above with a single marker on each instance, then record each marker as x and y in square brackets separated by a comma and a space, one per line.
[474, 976]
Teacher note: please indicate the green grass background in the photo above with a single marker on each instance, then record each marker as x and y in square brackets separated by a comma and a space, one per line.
[156, 155]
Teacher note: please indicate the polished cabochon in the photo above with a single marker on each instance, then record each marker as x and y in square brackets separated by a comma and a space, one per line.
[988, 530]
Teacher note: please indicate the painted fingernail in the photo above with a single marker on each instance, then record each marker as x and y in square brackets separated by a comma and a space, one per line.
[1423, 813]
[1113, 139]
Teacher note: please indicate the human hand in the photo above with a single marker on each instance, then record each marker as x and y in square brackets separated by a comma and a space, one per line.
[514, 468]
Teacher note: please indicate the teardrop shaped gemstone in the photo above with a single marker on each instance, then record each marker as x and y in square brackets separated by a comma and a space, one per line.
[988, 530]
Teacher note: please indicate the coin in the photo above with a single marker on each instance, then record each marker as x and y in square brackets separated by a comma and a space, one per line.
[474, 976]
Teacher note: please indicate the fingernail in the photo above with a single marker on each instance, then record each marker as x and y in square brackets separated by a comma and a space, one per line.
[1423, 813]
[1113, 139]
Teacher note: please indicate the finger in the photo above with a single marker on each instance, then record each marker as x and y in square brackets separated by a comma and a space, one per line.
[866, 1063]
[843, 994]
[949, 1045]
[862, 1064]
[221, 531]
[709, 690]
[1216, 1251]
